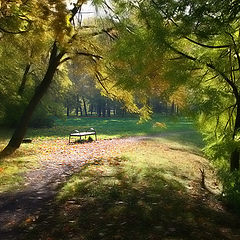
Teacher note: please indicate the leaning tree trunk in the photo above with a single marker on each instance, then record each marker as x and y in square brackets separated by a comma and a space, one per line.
[234, 159]
[22, 126]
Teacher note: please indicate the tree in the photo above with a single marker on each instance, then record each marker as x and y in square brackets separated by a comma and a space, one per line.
[185, 43]
[52, 18]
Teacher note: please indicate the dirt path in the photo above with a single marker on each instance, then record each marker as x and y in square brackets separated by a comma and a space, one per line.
[59, 160]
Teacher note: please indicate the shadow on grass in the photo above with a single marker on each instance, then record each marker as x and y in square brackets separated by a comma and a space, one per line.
[187, 138]
[120, 201]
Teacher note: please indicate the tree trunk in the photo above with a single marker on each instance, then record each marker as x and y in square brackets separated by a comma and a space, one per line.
[177, 110]
[22, 126]
[77, 105]
[173, 108]
[108, 108]
[99, 110]
[108, 111]
[24, 79]
[80, 108]
[68, 111]
[91, 109]
[84, 106]
[103, 109]
[234, 159]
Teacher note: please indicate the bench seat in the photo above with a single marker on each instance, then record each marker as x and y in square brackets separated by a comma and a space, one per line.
[76, 133]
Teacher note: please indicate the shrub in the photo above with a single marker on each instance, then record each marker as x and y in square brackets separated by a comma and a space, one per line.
[231, 185]
[42, 122]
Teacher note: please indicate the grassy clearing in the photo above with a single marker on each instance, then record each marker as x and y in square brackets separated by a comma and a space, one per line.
[12, 169]
[152, 191]
[108, 127]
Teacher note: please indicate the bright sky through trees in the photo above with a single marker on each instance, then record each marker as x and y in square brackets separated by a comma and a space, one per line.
[88, 10]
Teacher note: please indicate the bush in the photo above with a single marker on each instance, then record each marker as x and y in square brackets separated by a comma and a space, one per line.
[231, 185]
[42, 122]
[231, 190]
[42, 118]
[12, 113]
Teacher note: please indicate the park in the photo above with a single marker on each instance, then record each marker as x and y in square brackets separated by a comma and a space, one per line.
[119, 120]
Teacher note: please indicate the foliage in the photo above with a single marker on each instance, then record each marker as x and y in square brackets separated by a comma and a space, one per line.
[231, 185]
[187, 45]
[55, 25]
[41, 119]
[134, 67]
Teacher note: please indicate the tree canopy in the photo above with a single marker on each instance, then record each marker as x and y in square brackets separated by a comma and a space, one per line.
[190, 47]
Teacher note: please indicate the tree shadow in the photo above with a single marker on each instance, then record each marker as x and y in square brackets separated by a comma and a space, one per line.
[187, 138]
[116, 202]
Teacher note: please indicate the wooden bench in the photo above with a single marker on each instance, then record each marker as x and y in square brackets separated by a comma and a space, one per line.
[77, 133]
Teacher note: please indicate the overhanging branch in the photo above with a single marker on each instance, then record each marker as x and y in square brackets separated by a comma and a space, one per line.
[13, 32]
[64, 60]
[89, 55]
[100, 81]
[209, 65]
[185, 37]
[235, 48]
[206, 45]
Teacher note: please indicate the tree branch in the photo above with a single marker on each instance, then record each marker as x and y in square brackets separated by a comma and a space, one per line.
[205, 45]
[181, 53]
[233, 86]
[230, 115]
[101, 32]
[10, 32]
[100, 81]
[212, 78]
[187, 38]
[210, 65]
[235, 48]
[89, 55]
[64, 60]
[77, 7]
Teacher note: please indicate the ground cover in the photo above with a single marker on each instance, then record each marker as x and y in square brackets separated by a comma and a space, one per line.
[27, 157]
[151, 189]
[13, 168]
[147, 186]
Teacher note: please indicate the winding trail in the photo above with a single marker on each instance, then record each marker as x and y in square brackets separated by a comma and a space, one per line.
[57, 161]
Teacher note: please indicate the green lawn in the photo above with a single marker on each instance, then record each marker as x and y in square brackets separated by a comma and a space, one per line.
[108, 127]
[177, 130]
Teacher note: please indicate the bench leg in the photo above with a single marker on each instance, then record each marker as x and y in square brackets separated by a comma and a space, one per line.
[69, 138]
[95, 137]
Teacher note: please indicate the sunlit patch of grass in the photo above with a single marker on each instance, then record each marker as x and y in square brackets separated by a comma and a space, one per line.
[185, 139]
[170, 164]
[12, 168]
